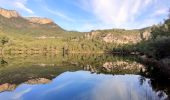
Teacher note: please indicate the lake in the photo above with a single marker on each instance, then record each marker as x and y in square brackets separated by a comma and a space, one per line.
[78, 77]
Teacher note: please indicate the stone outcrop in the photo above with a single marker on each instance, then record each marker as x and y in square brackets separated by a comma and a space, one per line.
[7, 87]
[92, 35]
[8, 13]
[10, 87]
[146, 35]
[108, 38]
[123, 39]
[90, 68]
[39, 20]
[38, 81]
[118, 37]
[123, 65]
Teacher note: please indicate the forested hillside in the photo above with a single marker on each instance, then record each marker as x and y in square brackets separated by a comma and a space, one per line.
[34, 34]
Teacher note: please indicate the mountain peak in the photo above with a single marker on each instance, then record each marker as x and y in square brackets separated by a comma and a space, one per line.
[39, 20]
[8, 13]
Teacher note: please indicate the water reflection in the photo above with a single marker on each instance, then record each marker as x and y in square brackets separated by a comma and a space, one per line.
[36, 77]
[3, 62]
[20, 69]
[83, 85]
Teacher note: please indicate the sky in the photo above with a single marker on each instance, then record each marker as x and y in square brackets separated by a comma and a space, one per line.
[87, 15]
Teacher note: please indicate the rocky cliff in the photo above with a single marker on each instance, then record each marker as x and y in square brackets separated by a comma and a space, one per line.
[39, 20]
[38, 81]
[12, 23]
[11, 87]
[9, 13]
[7, 87]
[119, 36]
[12, 13]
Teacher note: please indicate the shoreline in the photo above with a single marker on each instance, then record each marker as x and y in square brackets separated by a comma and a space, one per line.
[162, 66]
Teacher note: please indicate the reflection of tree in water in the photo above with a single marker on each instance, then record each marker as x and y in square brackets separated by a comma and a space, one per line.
[3, 62]
[161, 92]
[158, 81]
[90, 68]
[162, 95]
[142, 80]
[93, 63]
[161, 86]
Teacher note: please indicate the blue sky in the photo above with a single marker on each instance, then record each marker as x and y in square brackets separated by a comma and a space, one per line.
[86, 15]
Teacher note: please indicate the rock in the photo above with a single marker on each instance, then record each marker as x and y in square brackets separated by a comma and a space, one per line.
[119, 36]
[9, 13]
[38, 81]
[90, 68]
[39, 20]
[146, 35]
[108, 65]
[94, 33]
[7, 87]
[108, 38]
[122, 65]
[91, 35]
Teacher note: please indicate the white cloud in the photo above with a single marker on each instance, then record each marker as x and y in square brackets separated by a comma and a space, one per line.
[55, 12]
[93, 26]
[127, 14]
[60, 14]
[115, 12]
[23, 7]
[159, 12]
[17, 4]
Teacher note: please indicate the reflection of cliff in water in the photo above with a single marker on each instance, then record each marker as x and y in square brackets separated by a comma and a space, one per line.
[117, 67]
[10, 87]
[70, 85]
[40, 69]
[3, 62]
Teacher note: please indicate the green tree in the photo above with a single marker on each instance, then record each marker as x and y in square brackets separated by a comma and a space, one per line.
[161, 30]
[3, 40]
[159, 46]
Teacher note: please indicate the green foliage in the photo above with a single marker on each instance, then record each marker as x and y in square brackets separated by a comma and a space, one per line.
[161, 30]
[159, 44]
[158, 48]
[26, 37]
[161, 47]
[21, 26]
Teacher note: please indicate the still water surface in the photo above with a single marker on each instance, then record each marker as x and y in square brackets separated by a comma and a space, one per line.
[77, 77]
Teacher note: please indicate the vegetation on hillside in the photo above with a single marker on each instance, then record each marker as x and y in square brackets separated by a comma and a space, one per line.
[26, 37]
[18, 35]
[158, 46]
